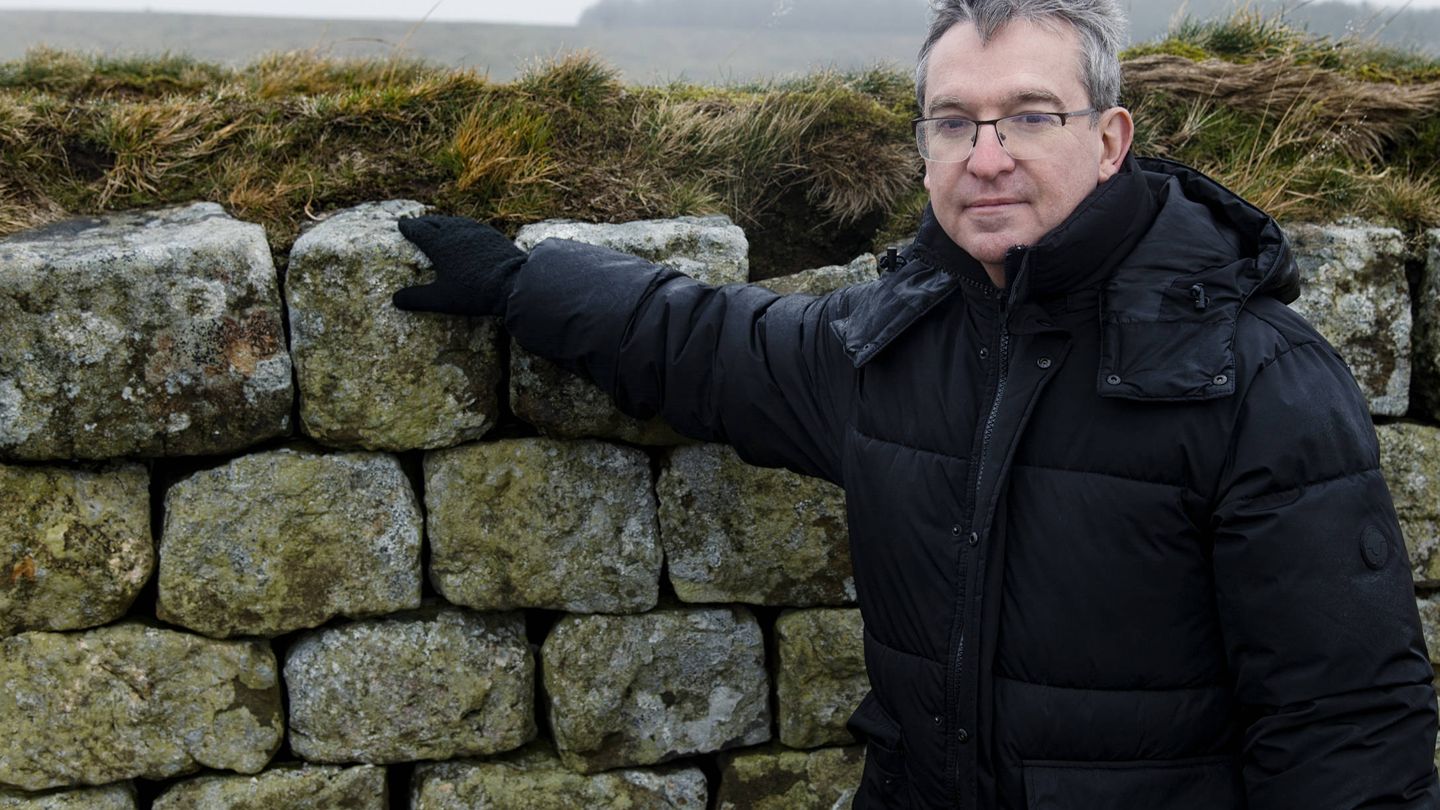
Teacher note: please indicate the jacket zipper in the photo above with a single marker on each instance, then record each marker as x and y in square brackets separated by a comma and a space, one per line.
[991, 419]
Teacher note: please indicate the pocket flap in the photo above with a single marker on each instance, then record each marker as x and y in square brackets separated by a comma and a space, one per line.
[1209, 783]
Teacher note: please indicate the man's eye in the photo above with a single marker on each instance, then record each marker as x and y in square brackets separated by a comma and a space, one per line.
[953, 126]
[1035, 120]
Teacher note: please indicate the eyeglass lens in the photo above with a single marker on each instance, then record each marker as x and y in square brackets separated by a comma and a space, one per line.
[1024, 137]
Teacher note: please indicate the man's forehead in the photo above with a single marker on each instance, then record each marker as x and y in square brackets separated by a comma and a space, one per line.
[1021, 63]
[1013, 99]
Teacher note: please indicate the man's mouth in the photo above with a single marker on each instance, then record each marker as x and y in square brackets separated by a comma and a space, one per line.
[992, 202]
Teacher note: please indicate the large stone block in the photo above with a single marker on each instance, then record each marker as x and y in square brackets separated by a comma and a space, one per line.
[822, 280]
[709, 249]
[119, 796]
[773, 778]
[76, 545]
[543, 523]
[638, 690]
[150, 334]
[434, 684]
[821, 675]
[1429, 606]
[288, 539]
[1355, 293]
[536, 779]
[128, 701]
[291, 787]
[1426, 384]
[372, 376]
[737, 533]
[1410, 458]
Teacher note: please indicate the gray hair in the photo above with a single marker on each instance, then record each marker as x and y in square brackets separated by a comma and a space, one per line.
[1100, 23]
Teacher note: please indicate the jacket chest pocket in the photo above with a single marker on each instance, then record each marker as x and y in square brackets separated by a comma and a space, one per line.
[1205, 783]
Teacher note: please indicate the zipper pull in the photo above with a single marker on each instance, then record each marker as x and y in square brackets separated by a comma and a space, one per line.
[892, 261]
[1197, 294]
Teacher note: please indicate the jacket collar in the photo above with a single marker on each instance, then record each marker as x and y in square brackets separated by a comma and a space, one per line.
[1206, 236]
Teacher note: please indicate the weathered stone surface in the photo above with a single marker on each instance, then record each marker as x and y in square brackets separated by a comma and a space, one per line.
[773, 778]
[1356, 295]
[434, 684]
[288, 539]
[1426, 384]
[536, 780]
[736, 533]
[543, 523]
[129, 701]
[292, 787]
[120, 796]
[709, 249]
[76, 545]
[822, 280]
[150, 334]
[637, 690]
[1430, 624]
[821, 675]
[372, 376]
[1410, 458]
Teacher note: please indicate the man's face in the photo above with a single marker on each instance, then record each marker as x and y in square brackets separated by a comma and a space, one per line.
[990, 201]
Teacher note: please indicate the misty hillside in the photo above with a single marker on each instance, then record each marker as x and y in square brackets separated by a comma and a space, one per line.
[1149, 19]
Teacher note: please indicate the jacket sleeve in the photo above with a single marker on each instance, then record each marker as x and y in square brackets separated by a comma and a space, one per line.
[1316, 600]
[735, 364]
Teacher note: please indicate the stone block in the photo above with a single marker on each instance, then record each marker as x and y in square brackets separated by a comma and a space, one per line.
[535, 778]
[1426, 384]
[821, 280]
[639, 690]
[775, 778]
[1429, 606]
[149, 334]
[737, 533]
[433, 684]
[545, 524]
[292, 787]
[820, 677]
[128, 700]
[76, 545]
[709, 249]
[372, 376]
[119, 796]
[288, 539]
[1410, 459]
[1355, 293]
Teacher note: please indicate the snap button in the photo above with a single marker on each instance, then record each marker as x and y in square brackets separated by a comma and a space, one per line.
[963, 736]
[1043, 362]
[939, 720]
[984, 353]
[974, 538]
[1113, 379]
[955, 531]
[1220, 379]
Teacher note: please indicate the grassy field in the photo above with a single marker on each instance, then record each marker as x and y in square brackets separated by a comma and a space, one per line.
[818, 167]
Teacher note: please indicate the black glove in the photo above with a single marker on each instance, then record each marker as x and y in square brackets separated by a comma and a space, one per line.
[475, 266]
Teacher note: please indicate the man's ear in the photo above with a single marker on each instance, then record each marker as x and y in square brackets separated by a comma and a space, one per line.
[1117, 132]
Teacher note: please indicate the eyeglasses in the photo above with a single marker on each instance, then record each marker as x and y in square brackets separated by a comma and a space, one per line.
[1024, 137]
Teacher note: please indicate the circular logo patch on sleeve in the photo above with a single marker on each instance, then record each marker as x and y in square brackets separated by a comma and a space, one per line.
[1374, 547]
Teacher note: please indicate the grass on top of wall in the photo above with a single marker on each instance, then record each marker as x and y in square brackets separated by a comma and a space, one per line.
[817, 168]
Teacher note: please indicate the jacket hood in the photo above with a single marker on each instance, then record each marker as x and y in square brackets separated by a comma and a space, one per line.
[1161, 242]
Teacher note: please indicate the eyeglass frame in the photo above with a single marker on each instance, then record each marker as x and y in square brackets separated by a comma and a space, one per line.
[975, 141]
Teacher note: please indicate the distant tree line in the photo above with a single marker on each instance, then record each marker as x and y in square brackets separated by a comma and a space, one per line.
[1149, 19]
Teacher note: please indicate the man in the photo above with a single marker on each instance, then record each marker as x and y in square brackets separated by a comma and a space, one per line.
[1118, 528]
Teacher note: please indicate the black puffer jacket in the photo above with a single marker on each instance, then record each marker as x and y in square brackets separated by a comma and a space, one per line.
[1119, 531]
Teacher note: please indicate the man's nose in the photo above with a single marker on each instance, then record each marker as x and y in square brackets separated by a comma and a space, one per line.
[989, 157]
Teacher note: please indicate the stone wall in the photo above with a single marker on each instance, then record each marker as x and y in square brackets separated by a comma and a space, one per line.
[266, 541]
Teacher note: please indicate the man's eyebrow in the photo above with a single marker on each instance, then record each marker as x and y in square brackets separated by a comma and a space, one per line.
[1015, 99]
